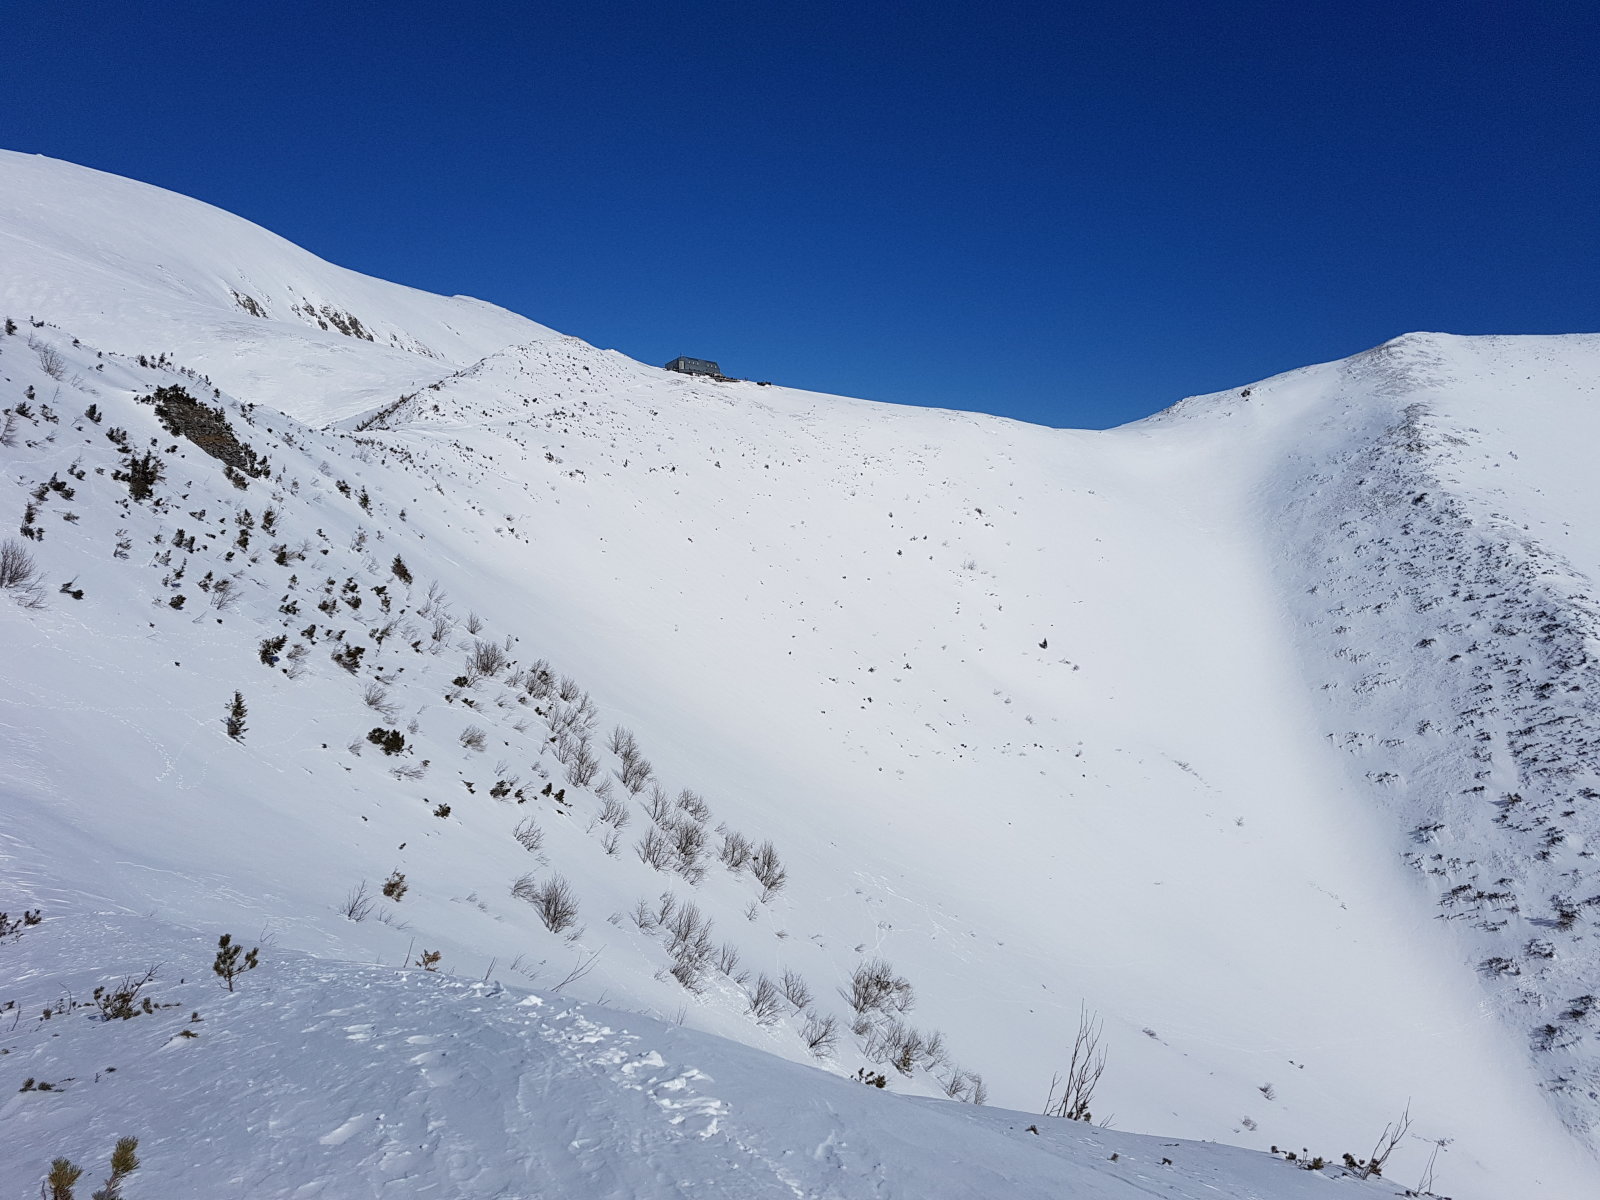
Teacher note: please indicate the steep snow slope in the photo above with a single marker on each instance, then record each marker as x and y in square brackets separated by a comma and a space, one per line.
[1445, 569]
[1023, 711]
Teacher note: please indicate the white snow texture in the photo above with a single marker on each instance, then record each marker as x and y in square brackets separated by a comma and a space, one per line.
[1264, 731]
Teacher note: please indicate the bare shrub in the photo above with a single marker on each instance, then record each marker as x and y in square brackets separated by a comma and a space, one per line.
[688, 939]
[486, 658]
[765, 1004]
[568, 689]
[439, 632]
[474, 624]
[655, 849]
[582, 766]
[474, 738]
[585, 715]
[50, 361]
[540, 683]
[376, 697]
[1387, 1140]
[688, 842]
[529, 835]
[621, 741]
[965, 1085]
[636, 769]
[650, 918]
[611, 842]
[821, 1033]
[224, 595]
[693, 804]
[898, 1044]
[735, 851]
[643, 915]
[1084, 1068]
[435, 602]
[685, 925]
[358, 902]
[659, 806]
[577, 719]
[553, 900]
[795, 990]
[728, 958]
[768, 870]
[20, 575]
[566, 745]
[874, 987]
[614, 812]
[688, 973]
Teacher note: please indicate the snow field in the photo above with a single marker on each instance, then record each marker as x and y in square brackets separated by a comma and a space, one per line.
[1035, 715]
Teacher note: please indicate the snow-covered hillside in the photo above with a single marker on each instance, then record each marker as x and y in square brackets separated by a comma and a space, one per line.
[1161, 723]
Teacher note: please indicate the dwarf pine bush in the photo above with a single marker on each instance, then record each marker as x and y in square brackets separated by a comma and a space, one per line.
[233, 960]
[64, 1174]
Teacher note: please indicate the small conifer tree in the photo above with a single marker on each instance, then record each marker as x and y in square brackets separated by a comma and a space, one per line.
[62, 1178]
[143, 472]
[233, 960]
[124, 1162]
[234, 721]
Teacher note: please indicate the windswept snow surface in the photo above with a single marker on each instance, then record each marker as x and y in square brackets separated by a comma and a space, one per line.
[340, 1080]
[1140, 722]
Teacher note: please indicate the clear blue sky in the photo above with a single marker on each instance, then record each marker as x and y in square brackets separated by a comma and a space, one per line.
[1067, 213]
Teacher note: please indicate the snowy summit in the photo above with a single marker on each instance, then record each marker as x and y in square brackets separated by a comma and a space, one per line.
[616, 782]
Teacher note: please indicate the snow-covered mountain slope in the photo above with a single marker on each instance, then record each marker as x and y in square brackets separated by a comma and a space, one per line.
[138, 270]
[1444, 569]
[1036, 717]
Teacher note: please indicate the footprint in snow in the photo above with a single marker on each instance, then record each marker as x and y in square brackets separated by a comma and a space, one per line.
[649, 1059]
[689, 1109]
